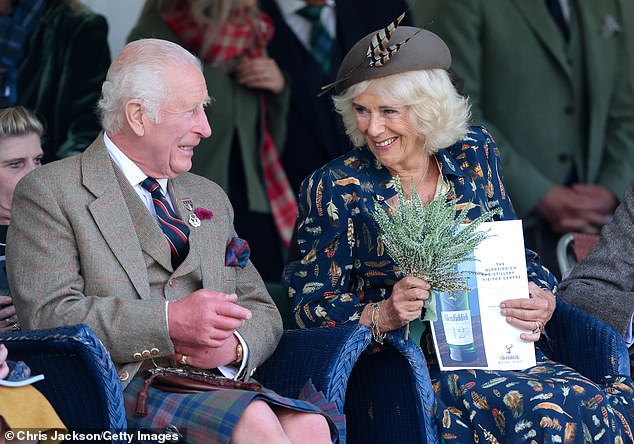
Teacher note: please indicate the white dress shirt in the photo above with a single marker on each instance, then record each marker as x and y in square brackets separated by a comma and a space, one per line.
[301, 26]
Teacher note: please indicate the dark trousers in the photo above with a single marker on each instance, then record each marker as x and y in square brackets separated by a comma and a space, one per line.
[543, 240]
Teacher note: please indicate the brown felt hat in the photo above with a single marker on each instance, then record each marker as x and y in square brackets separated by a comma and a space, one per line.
[423, 50]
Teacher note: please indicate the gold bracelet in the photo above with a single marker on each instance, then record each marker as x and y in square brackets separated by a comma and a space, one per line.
[374, 324]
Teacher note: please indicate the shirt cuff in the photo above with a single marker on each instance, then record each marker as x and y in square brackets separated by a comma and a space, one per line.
[235, 371]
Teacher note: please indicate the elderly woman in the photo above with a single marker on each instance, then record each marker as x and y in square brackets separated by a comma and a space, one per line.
[406, 119]
[20, 153]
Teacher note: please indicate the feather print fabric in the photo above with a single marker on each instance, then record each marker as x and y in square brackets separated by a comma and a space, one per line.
[343, 266]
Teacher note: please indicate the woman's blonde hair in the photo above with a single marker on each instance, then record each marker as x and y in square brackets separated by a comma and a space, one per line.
[18, 121]
[438, 113]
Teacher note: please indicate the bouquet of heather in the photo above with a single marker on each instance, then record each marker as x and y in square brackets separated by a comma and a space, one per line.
[429, 241]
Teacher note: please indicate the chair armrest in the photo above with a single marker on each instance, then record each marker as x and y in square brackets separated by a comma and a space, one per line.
[80, 380]
[325, 355]
[585, 343]
[394, 383]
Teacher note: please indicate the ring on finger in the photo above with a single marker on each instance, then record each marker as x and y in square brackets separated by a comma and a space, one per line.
[538, 327]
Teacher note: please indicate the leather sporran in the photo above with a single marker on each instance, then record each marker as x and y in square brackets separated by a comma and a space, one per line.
[184, 380]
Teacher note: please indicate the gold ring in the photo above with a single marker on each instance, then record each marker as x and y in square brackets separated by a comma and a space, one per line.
[183, 359]
[538, 327]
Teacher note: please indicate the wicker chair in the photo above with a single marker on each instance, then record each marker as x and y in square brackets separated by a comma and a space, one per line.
[580, 340]
[80, 380]
[386, 396]
[573, 248]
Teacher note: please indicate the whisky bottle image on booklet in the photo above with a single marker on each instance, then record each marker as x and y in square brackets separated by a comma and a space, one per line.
[456, 320]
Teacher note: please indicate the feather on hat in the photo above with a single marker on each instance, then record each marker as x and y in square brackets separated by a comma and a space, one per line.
[388, 51]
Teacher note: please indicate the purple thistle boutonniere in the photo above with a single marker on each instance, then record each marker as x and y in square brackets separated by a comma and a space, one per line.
[203, 213]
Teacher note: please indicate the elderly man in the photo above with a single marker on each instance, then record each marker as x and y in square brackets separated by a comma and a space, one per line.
[124, 239]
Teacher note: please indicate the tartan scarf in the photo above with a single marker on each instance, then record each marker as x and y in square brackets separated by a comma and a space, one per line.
[245, 32]
[15, 30]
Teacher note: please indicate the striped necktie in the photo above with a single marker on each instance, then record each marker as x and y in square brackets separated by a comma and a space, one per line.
[321, 42]
[174, 229]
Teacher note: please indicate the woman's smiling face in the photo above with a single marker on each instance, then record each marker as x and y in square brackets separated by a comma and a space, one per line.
[388, 132]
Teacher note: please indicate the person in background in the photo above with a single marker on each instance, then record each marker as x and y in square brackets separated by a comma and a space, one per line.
[53, 58]
[24, 408]
[124, 239]
[20, 153]
[550, 79]
[311, 38]
[603, 283]
[249, 112]
[406, 119]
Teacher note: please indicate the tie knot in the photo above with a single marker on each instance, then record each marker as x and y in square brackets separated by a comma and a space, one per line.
[311, 12]
[151, 185]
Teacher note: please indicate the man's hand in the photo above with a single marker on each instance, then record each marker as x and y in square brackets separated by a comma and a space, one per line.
[205, 319]
[581, 208]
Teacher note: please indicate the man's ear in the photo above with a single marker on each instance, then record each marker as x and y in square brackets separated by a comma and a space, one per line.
[134, 116]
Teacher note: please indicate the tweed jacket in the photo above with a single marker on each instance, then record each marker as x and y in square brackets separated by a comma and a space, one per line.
[235, 117]
[603, 283]
[86, 249]
[60, 78]
[517, 71]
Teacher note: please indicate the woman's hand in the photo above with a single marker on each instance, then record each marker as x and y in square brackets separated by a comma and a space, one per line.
[260, 73]
[4, 367]
[530, 314]
[8, 317]
[404, 305]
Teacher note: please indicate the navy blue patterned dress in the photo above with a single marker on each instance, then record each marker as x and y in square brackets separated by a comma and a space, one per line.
[344, 266]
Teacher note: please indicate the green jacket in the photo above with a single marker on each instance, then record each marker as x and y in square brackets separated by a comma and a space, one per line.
[516, 70]
[61, 75]
[233, 113]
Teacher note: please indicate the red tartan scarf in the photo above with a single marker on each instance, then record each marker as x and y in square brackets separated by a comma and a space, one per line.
[245, 32]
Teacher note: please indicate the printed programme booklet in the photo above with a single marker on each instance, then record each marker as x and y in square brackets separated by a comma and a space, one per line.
[470, 332]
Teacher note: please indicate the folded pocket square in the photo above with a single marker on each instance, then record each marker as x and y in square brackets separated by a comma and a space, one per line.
[237, 254]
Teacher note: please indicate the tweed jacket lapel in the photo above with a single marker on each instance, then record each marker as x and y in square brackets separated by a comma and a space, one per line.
[177, 193]
[601, 60]
[153, 241]
[112, 216]
[545, 29]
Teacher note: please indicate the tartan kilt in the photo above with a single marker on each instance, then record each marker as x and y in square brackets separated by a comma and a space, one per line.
[207, 417]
